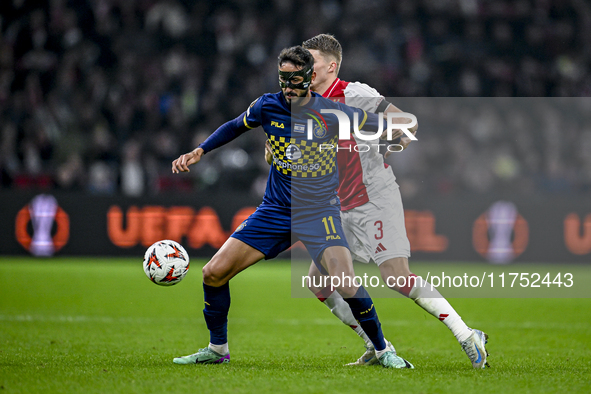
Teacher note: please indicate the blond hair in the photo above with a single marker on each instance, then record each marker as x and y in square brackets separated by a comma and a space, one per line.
[326, 44]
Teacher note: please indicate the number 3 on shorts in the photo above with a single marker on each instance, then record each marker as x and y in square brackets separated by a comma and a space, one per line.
[380, 231]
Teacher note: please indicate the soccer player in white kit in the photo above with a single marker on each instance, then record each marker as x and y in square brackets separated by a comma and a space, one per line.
[372, 213]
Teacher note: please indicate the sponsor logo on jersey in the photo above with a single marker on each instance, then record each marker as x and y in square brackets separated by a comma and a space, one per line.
[300, 158]
[293, 152]
[296, 167]
[277, 124]
[332, 237]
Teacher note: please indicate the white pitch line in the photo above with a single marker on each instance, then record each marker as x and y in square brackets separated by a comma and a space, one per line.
[288, 322]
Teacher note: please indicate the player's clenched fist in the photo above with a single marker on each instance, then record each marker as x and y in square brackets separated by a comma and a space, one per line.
[184, 161]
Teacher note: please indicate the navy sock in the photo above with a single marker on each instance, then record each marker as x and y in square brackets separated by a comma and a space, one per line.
[365, 313]
[217, 305]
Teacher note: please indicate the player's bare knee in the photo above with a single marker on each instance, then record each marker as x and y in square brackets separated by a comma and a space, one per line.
[395, 272]
[338, 268]
[212, 277]
[207, 275]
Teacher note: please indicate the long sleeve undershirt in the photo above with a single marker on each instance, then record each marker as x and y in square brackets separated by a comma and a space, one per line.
[224, 134]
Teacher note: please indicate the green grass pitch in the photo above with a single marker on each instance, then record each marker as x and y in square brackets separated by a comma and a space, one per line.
[100, 326]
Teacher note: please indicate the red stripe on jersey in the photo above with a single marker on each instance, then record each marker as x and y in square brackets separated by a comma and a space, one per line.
[336, 90]
[352, 191]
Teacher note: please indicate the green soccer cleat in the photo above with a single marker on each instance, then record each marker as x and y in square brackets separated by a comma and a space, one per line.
[475, 348]
[390, 360]
[369, 357]
[203, 356]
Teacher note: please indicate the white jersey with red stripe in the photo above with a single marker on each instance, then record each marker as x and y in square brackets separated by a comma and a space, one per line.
[361, 173]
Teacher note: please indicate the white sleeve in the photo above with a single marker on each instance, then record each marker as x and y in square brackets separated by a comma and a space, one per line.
[360, 95]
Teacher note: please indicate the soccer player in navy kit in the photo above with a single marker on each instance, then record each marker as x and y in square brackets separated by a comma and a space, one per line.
[300, 203]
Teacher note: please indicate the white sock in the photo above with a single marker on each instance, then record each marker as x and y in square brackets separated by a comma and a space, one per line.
[433, 302]
[339, 307]
[220, 349]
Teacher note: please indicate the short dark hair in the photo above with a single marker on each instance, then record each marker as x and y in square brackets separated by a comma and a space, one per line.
[298, 56]
[327, 44]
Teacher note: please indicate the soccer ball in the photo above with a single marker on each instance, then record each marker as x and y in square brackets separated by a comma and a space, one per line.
[166, 263]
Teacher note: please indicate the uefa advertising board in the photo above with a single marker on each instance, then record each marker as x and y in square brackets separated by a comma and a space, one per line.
[498, 229]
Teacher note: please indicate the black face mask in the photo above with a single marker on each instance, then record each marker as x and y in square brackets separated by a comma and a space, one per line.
[305, 72]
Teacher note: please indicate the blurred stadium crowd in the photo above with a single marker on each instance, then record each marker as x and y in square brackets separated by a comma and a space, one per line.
[101, 95]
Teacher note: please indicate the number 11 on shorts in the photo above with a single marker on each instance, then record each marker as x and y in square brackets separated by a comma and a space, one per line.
[331, 220]
[331, 232]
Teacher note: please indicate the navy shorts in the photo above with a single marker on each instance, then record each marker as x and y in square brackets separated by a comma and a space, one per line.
[273, 229]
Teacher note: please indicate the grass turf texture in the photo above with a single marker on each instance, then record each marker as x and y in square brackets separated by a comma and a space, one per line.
[99, 325]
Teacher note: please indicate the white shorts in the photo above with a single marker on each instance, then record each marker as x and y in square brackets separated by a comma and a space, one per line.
[375, 231]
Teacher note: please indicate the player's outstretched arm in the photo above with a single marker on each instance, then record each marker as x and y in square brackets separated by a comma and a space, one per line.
[184, 161]
[224, 134]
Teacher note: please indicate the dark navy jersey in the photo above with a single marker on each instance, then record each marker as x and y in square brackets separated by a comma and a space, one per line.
[304, 170]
